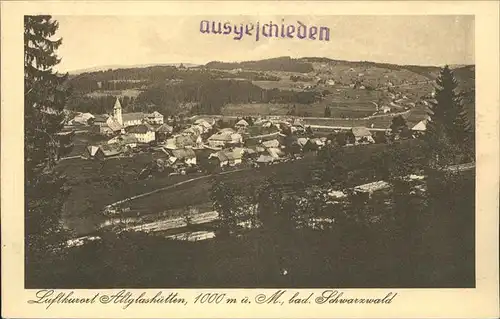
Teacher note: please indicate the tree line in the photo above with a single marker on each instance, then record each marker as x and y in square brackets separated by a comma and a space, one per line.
[284, 64]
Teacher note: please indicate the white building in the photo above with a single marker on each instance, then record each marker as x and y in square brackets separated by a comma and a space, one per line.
[155, 118]
[144, 133]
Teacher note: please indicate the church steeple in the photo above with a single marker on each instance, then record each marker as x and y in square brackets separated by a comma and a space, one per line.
[117, 112]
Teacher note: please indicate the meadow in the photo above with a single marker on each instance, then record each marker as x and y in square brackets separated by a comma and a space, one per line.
[95, 184]
[196, 194]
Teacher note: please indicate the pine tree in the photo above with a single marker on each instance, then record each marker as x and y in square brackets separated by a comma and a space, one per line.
[44, 101]
[398, 124]
[328, 112]
[448, 129]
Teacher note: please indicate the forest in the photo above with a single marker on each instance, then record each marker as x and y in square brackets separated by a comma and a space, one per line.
[207, 97]
[284, 64]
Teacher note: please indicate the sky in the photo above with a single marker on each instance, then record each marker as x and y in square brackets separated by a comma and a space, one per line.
[95, 41]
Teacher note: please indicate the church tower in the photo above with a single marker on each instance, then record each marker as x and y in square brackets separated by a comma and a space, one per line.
[117, 112]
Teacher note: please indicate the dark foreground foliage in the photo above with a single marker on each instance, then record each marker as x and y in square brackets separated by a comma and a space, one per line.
[437, 250]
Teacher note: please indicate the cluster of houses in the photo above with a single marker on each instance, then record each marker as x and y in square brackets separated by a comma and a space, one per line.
[264, 141]
[125, 130]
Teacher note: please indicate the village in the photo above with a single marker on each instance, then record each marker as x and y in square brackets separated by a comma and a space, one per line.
[306, 171]
[210, 144]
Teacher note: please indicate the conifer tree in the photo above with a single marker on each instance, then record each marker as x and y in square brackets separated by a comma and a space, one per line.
[44, 100]
[448, 128]
[328, 112]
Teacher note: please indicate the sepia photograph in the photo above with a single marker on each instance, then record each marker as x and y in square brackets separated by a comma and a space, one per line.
[172, 152]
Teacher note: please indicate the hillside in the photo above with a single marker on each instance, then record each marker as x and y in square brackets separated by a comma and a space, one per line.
[116, 66]
[279, 86]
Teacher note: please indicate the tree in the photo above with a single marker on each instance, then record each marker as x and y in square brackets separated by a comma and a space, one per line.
[44, 100]
[226, 201]
[341, 139]
[328, 112]
[398, 124]
[448, 127]
[380, 137]
[309, 131]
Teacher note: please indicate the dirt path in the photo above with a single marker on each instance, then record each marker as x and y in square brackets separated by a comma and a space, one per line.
[170, 187]
[206, 217]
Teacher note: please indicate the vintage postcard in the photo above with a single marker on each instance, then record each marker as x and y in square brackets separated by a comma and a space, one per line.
[250, 159]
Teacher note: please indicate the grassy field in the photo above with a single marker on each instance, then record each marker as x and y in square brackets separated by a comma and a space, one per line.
[344, 102]
[414, 116]
[370, 74]
[197, 193]
[91, 188]
[121, 93]
[283, 84]
[255, 109]
[90, 191]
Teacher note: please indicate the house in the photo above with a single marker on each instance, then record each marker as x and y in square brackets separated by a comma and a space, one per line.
[112, 126]
[81, 119]
[103, 151]
[251, 153]
[229, 157]
[223, 138]
[163, 131]
[313, 144]
[227, 129]
[100, 119]
[206, 126]
[271, 143]
[420, 126]
[297, 129]
[241, 124]
[154, 118]
[302, 141]
[125, 140]
[234, 156]
[275, 153]
[264, 159]
[181, 141]
[318, 141]
[361, 135]
[185, 155]
[385, 109]
[91, 151]
[257, 149]
[194, 130]
[221, 157]
[202, 128]
[206, 123]
[131, 119]
[144, 133]
[266, 124]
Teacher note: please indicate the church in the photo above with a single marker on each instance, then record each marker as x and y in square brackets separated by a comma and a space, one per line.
[127, 119]
[134, 124]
